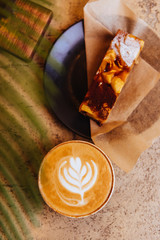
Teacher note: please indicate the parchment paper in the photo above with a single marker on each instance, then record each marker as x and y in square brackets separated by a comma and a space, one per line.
[134, 121]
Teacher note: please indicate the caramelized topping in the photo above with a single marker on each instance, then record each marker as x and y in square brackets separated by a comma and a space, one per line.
[111, 76]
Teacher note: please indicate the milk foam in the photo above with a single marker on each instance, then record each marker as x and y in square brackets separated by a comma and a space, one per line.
[77, 178]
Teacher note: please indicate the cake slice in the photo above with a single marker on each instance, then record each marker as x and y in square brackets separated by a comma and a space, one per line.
[111, 76]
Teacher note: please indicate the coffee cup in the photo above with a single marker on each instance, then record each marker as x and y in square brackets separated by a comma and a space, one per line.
[76, 179]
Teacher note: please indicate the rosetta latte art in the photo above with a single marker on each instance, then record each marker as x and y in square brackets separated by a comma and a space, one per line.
[77, 178]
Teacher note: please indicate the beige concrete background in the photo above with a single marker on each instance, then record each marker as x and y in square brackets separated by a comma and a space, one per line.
[28, 130]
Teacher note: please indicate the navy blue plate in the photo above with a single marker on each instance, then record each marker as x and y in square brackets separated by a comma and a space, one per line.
[65, 79]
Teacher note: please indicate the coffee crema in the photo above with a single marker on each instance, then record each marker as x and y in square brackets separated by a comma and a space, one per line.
[76, 178]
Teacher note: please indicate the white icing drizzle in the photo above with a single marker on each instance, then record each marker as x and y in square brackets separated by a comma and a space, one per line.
[126, 47]
[77, 179]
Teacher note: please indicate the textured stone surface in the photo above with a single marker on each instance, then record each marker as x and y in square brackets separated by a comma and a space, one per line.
[148, 11]
[28, 130]
[134, 210]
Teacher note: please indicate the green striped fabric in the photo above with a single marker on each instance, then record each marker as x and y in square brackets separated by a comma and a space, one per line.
[22, 24]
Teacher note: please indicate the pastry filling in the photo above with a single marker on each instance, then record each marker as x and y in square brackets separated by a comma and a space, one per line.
[111, 76]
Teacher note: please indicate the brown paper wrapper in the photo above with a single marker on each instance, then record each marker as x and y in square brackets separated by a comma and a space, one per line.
[134, 121]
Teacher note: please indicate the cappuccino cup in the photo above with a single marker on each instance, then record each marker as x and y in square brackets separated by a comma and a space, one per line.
[76, 179]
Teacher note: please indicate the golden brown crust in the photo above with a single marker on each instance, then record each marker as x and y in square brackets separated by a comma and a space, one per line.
[111, 76]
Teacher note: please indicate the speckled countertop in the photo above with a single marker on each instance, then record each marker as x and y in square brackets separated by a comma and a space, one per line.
[28, 130]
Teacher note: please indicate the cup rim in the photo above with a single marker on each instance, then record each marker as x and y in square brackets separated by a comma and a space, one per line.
[112, 186]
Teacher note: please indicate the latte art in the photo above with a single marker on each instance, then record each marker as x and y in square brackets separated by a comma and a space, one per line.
[77, 178]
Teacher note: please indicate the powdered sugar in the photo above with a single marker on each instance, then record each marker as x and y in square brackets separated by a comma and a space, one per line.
[126, 47]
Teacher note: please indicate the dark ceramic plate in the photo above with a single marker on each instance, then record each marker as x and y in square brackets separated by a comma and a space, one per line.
[65, 79]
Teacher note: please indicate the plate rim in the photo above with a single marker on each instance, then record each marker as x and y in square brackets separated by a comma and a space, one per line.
[87, 136]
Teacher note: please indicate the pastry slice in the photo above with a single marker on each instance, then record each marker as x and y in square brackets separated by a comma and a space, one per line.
[111, 76]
